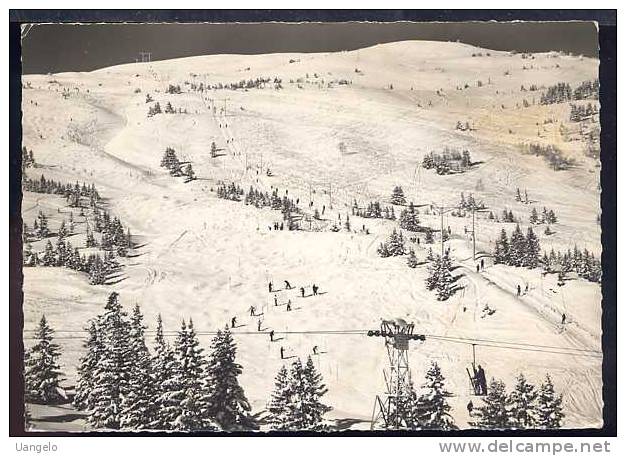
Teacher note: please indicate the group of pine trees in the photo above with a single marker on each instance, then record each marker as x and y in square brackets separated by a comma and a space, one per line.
[583, 263]
[508, 217]
[526, 407]
[28, 159]
[439, 277]
[231, 191]
[65, 255]
[409, 219]
[519, 250]
[562, 91]
[547, 217]
[374, 210]
[244, 84]
[449, 161]
[397, 196]
[394, 246]
[173, 89]
[552, 155]
[427, 408]
[296, 402]
[122, 385]
[155, 109]
[175, 167]
[72, 193]
[580, 113]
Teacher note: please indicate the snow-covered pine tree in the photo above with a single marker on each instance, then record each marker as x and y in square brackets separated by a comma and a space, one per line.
[228, 404]
[395, 244]
[531, 255]
[49, 256]
[42, 373]
[409, 219]
[111, 375]
[517, 249]
[433, 407]
[83, 400]
[195, 404]
[534, 216]
[314, 389]
[549, 406]
[279, 409]
[501, 252]
[444, 280]
[189, 172]
[168, 388]
[493, 414]
[433, 273]
[397, 196]
[412, 259]
[137, 406]
[42, 230]
[522, 403]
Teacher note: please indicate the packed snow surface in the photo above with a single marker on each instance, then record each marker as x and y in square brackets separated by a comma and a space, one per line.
[210, 259]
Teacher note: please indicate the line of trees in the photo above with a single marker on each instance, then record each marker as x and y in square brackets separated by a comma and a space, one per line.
[448, 162]
[519, 250]
[580, 113]
[562, 91]
[526, 407]
[394, 246]
[122, 385]
[72, 193]
[374, 210]
[175, 167]
[547, 216]
[583, 263]
[296, 402]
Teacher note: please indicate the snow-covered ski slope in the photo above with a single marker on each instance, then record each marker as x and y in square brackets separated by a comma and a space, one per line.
[210, 259]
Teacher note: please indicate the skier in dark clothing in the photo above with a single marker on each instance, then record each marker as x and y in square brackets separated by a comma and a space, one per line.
[287, 285]
[482, 264]
[252, 311]
[282, 352]
[258, 326]
[281, 227]
[481, 381]
[272, 335]
[519, 290]
[477, 268]
[302, 291]
[270, 286]
[233, 322]
[563, 319]
[315, 288]
[289, 306]
[275, 300]
[323, 209]
[315, 350]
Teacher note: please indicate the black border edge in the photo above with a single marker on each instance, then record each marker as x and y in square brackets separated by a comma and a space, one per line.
[607, 36]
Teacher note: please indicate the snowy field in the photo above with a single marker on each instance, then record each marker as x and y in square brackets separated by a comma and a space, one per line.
[210, 259]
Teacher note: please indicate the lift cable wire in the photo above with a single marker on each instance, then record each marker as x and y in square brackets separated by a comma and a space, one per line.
[489, 343]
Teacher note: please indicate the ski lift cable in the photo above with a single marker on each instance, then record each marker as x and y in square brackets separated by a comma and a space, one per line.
[466, 341]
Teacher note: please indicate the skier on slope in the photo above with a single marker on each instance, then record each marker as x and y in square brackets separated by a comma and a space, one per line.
[519, 290]
[302, 291]
[287, 285]
[275, 300]
[315, 288]
[563, 319]
[282, 352]
[233, 322]
[252, 311]
[270, 286]
[289, 306]
[258, 326]
[272, 335]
